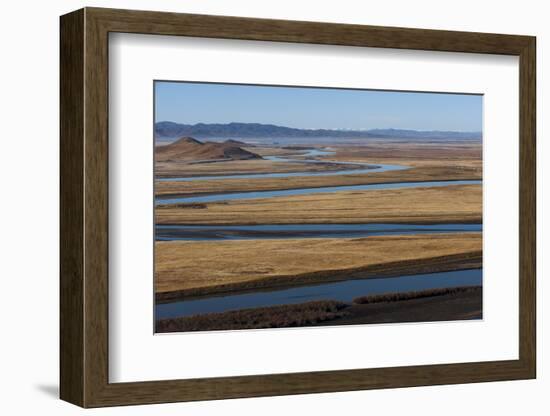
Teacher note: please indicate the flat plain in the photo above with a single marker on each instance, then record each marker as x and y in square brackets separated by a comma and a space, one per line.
[459, 203]
[187, 270]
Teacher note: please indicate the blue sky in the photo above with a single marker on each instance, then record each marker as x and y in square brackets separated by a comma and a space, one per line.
[192, 103]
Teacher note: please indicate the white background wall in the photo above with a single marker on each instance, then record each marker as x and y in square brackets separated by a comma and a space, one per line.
[29, 210]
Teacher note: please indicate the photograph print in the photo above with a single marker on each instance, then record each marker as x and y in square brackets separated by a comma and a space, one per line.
[291, 206]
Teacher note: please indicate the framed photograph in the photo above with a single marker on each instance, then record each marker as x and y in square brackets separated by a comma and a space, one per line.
[255, 207]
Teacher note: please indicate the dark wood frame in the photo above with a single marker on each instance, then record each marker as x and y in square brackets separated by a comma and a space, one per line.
[84, 207]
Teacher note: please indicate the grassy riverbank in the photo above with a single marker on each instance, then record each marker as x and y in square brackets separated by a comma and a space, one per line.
[202, 269]
[282, 316]
[171, 169]
[194, 268]
[414, 174]
[462, 155]
[426, 162]
[429, 305]
[458, 203]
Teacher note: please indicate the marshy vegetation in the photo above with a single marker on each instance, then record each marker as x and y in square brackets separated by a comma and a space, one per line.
[187, 270]
[463, 303]
[395, 297]
[282, 316]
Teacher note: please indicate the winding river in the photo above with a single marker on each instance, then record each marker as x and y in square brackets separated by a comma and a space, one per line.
[306, 157]
[367, 168]
[343, 291]
[270, 231]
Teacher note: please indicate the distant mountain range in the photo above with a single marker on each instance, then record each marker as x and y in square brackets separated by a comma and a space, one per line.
[188, 148]
[171, 130]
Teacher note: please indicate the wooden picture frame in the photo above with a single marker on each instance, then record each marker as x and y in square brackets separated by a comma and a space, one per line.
[84, 207]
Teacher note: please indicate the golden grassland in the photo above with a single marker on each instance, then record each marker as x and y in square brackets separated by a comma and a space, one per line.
[456, 155]
[415, 174]
[457, 203]
[426, 161]
[193, 268]
[236, 167]
[196, 268]
[415, 152]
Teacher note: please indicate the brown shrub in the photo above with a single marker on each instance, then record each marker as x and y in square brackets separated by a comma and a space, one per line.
[267, 317]
[397, 296]
[182, 205]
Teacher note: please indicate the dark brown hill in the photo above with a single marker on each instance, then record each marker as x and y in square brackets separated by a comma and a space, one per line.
[188, 148]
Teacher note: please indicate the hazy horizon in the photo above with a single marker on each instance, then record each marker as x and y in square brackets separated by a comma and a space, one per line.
[316, 108]
[313, 128]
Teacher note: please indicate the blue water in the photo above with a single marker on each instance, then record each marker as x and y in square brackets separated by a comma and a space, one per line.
[308, 191]
[370, 169]
[266, 231]
[341, 291]
[303, 159]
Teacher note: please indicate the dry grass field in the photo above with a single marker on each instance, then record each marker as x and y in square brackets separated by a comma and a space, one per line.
[194, 268]
[427, 162]
[415, 174]
[458, 203]
[236, 167]
[453, 156]
[414, 152]
[197, 269]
